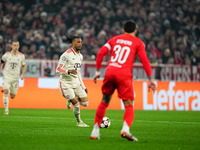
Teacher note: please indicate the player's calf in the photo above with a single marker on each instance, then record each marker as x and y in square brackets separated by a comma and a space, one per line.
[12, 95]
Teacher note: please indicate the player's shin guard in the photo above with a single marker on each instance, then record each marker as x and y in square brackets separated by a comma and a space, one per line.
[5, 101]
[76, 111]
[129, 115]
[100, 112]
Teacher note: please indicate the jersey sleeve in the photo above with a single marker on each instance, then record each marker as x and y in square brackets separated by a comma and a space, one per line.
[62, 61]
[4, 57]
[102, 52]
[144, 59]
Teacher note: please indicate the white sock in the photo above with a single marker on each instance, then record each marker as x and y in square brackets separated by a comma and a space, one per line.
[95, 131]
[5, 101]
[76, 111]
[125, 127]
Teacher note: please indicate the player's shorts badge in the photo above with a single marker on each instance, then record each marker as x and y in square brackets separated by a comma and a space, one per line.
[67, 96]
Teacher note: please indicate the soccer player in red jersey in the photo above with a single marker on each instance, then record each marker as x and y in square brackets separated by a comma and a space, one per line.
[123, 50]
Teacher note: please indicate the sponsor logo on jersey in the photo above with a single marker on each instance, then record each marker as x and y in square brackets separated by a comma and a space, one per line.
[63, 58]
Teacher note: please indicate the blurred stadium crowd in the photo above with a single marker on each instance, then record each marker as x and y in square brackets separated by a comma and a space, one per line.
[170, 29]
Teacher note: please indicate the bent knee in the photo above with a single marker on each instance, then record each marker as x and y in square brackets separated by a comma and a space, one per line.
[5, 91]
[84, 103]
[128, 102]
[12, 96]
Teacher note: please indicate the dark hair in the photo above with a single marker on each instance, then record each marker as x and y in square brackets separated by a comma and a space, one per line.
[14, 41]
[69, 39]
[130, 26]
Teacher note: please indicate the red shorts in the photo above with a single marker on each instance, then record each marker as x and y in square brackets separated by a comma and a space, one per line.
[123, 84]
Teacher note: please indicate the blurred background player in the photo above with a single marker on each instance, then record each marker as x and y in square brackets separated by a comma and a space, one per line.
[14, 61]
[70, 82]
[123, 50]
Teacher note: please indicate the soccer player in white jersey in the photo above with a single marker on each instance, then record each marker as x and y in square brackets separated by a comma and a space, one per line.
[14, 61]
[70, 82]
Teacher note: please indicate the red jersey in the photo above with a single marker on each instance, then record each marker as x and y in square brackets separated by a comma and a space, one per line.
[123, 50]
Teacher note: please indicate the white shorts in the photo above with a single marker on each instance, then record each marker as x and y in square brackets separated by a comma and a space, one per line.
[69, 92]
[12, 86]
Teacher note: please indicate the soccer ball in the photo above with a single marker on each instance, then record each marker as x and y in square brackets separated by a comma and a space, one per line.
[105, 123]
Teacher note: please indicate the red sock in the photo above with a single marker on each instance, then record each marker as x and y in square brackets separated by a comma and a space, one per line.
[100, 112]
[129, 115]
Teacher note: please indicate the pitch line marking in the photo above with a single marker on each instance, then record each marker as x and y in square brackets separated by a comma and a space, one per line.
[164, 122]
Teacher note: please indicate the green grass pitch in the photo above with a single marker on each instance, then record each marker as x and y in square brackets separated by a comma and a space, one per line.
[53, 129]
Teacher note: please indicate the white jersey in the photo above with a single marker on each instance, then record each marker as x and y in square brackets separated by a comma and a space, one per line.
[13, 64]
[70, 60]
